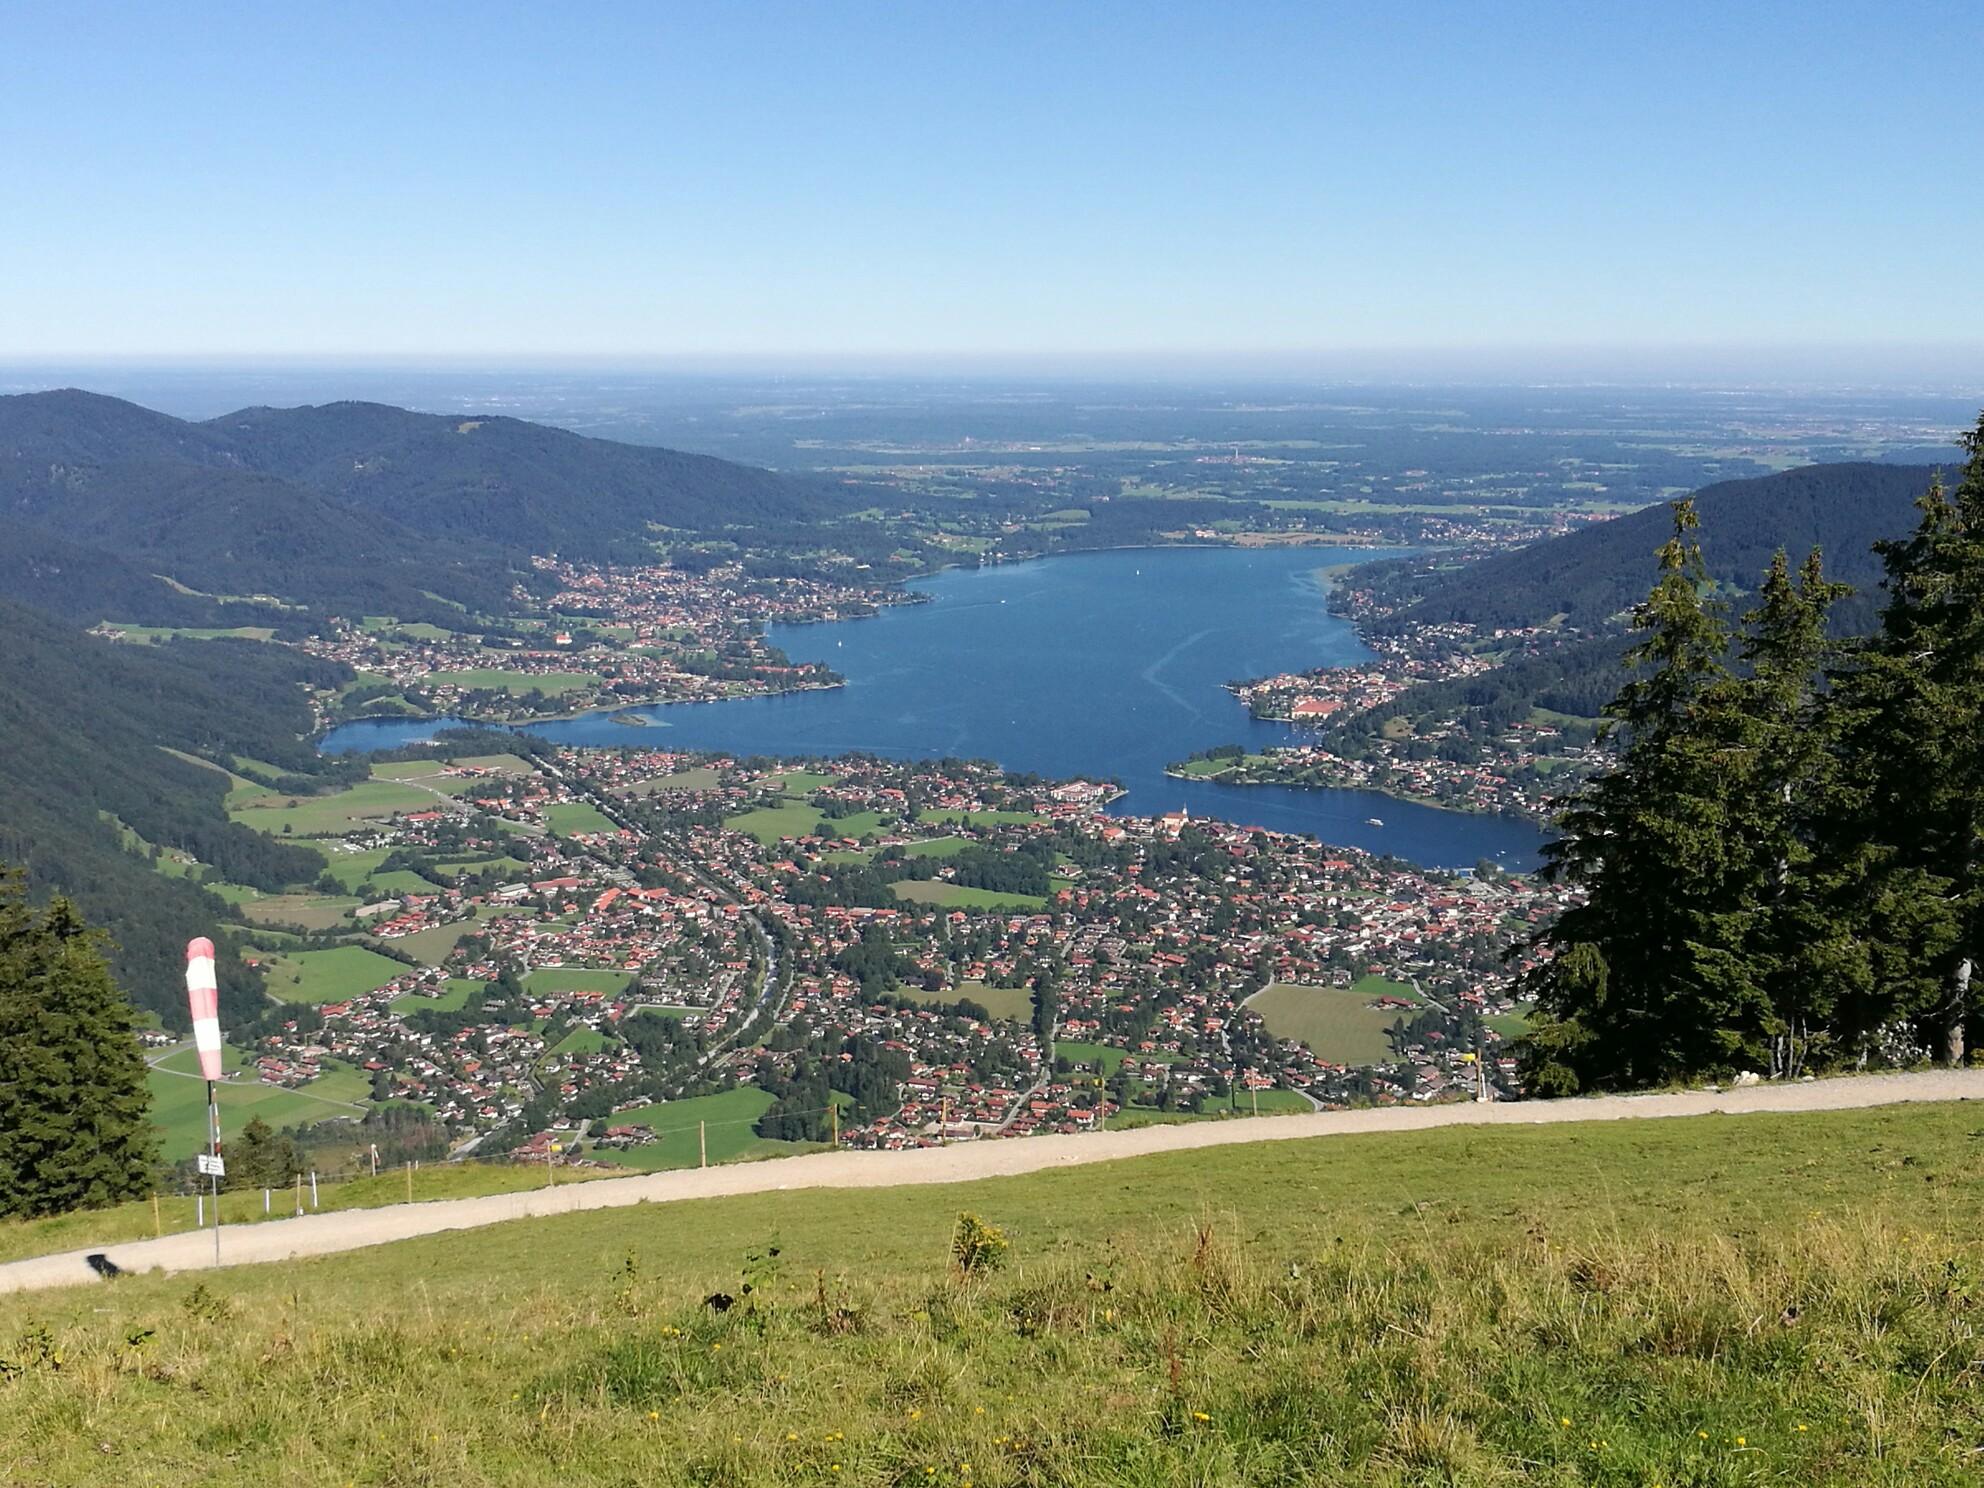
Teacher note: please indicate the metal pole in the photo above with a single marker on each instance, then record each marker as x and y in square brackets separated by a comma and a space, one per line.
[703, 1143]
[213, 1135]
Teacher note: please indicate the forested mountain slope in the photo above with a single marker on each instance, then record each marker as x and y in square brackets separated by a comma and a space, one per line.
[86, 725]
[349, 507]
[1599, 571]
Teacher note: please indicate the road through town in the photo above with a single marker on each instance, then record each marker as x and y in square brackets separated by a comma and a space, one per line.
[322, 1234]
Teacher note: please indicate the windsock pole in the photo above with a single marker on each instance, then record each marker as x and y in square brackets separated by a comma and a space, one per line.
[203, 997]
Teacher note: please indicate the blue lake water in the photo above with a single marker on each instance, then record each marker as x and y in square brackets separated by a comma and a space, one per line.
[1098, 664]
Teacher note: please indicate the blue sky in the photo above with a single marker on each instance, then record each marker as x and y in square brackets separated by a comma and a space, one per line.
[677, 179]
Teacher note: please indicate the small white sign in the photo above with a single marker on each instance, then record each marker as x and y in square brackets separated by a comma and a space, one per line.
[212, 1166]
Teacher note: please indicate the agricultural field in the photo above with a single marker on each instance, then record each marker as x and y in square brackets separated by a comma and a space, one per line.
[452, 1000]
[570, 818]
[729, 1119]
[334, 975]
[770, 824]
[549, 979]
[1460, 1307]
[936, 817]
[1337, 1022]
[329, 815]
[700, 777]
[936, 847]
[1107, 1056]
[502, 679]
[179, 1101]
[1240, 1103]
[311, 911]
[957, 896]
[430, 772]
[1015, 1003]
[582, 1041]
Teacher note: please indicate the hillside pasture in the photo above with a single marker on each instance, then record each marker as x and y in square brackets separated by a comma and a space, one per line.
[335, 975]
[1338, 1023]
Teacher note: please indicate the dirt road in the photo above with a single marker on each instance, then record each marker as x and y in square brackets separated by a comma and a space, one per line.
[321, 1234]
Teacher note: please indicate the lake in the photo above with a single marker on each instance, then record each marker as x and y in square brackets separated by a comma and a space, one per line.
[1097, 664]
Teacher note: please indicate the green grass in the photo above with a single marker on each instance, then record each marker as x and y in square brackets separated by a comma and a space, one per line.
[1015, 1003]
[311, 911]
[330, 815]
[334, 975]
[729, 1118]
[569, 818]
[179, 1102]
[1109, 1056]
[798, 782]
[501, 679]
[771, 824]
[936, 847]
[1404, 1309]
[701, 777]
[550, 979]
[452, 1000]
[933, 816]
[583, 1041]
[1264, 1103]
[957, 896]
[1336, 1022]
[150, 634]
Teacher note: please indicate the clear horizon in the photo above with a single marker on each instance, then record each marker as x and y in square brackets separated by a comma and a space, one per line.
[1180, 185]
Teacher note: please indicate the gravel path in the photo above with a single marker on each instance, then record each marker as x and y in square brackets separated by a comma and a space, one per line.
[320, 1234]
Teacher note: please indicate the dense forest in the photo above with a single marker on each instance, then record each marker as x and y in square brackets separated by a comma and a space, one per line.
[87, 726]
[1783, 870]
[1594, 574]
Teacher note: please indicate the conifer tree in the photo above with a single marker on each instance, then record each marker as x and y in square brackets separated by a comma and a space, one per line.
[1632, 994]
[1911, 718]
[75, 1128]
[1774, 945]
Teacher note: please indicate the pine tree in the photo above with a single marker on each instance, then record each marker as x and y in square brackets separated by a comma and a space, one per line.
[1911, 717]
[1774, 945]
[75, 1128]
[1634, 993]
[261, 1157]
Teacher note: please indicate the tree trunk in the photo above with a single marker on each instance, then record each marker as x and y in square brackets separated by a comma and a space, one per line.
[1954, 1012]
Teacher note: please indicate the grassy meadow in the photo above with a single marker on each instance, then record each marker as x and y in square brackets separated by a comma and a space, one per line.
[1752, 1300]
[1337, 1022]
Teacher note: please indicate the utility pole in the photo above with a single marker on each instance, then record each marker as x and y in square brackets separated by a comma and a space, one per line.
[703, 1144]
[214, 1160]
[944, 1122]
[833, 1112]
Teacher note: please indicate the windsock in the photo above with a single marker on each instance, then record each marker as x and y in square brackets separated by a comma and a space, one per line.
[203, 993]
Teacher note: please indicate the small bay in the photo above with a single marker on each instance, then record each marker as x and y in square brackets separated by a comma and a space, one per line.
[1105, 664]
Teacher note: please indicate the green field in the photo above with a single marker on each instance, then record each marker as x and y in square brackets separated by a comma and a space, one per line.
[933, 816]
[798, 782]
[150, 634]
[1224, 1108]
[311, 911]
[502, 679]
[429, 772]
[936, 847]
[569, 818]
[701, 777]
[582, 1041]
[770, 824]
[1496, 1306]
[179, 1101]
[1015, 1003]
[549, 979]
[1108, 1056]
[956, 896]
[1336, 1022]
[729, 1118]
[335, 975]
[330, 815]
[453, 1000]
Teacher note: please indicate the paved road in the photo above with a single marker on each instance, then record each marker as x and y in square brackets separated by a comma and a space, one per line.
[320, 1234]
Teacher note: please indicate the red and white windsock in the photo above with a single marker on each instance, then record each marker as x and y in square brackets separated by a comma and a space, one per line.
[203, 992]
